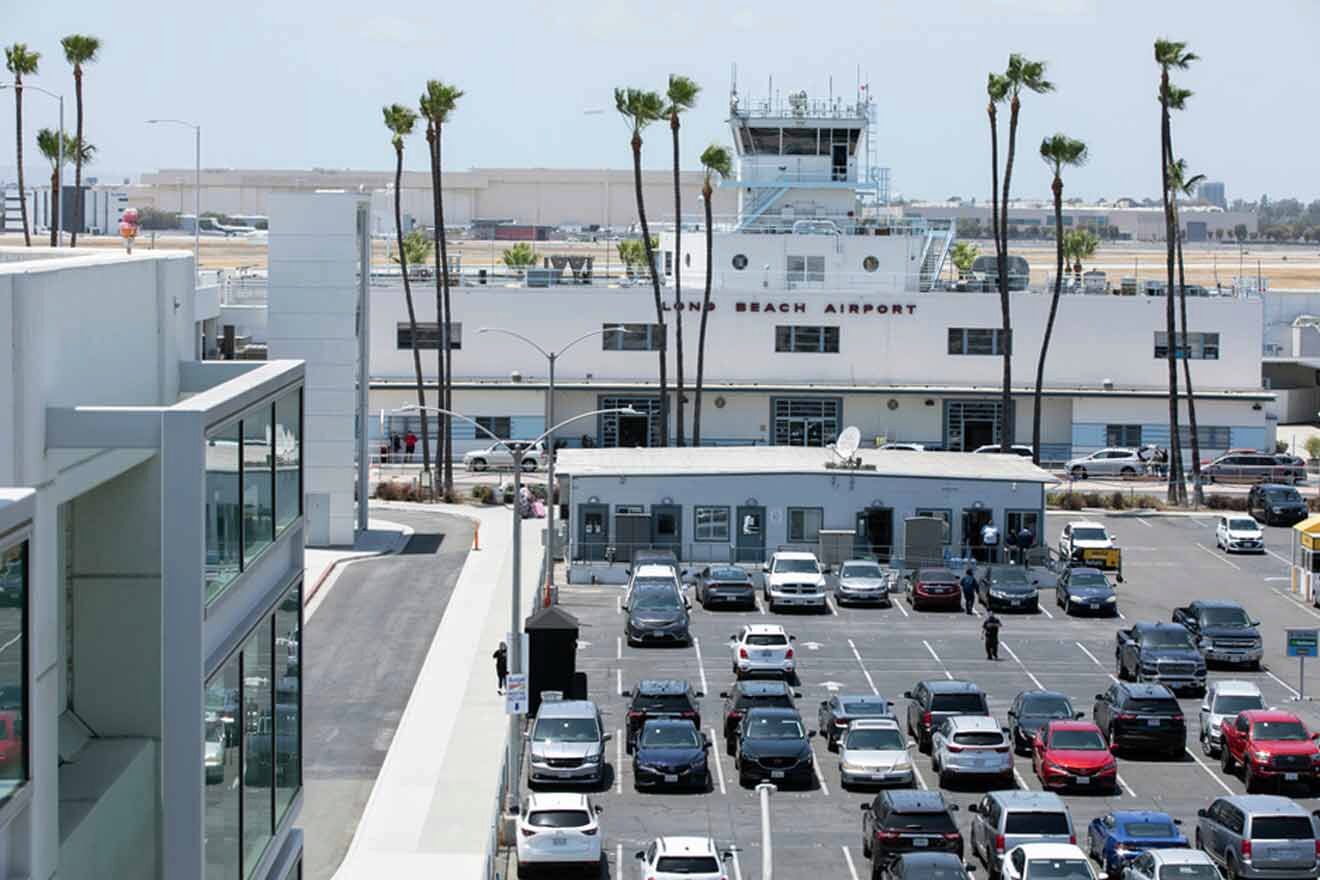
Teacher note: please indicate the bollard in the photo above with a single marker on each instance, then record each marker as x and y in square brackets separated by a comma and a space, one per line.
[476, 537]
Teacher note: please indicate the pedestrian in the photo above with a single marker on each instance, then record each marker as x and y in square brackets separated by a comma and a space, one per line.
[1010, 546]
[1026, 539]
[990, 541]
[410, 444]
[501, 656]
[969, 589]
[396, 446]
[991, 629]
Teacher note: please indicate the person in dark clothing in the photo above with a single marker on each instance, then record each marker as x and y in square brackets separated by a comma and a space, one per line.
[396, 445]
[501, 656]
[991, 629]
[1026, 539]
[968, 583]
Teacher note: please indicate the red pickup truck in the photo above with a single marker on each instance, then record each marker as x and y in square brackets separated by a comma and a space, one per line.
[1270, 747]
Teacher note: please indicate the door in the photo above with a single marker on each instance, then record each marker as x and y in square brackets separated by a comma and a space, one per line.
[973, 520]
[751, 535]
[667, 528]
[634, 431]
[593, 532]
[839, 162]
[632, 532]
[875, 533]
[977, 433]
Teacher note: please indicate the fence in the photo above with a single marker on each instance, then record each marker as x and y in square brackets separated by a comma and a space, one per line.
[693, 555]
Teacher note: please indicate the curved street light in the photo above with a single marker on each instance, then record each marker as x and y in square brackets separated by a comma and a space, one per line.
[197, 185]
[58, 196]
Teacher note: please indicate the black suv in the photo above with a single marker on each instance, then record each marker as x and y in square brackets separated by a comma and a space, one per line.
[774, 746]
[1145, 716]
[901, 821]
[660, 698]
[1007, 588]
[930, 702]
[747, 695]
[1272, 503]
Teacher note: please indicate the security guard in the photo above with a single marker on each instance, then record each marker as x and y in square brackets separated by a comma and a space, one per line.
[991, 629]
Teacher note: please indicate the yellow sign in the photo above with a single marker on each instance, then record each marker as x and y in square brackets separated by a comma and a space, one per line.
[1101, 557]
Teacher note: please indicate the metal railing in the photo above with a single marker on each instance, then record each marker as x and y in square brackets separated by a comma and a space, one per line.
[798, 105]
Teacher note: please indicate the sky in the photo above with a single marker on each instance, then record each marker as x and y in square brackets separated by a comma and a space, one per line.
[300, 83]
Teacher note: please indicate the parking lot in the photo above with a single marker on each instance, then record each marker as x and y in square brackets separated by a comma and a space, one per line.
[1168, 561]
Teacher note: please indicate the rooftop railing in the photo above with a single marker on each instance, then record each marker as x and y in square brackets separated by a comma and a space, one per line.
[798, 105]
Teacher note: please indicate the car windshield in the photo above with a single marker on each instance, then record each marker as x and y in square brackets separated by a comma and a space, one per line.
[1089, 534]
[654, 583]
[566, 730]
[1225, 617]
[687, 865]
[1077, 740]
[1040, 706]
[859, 710]
[1243, 524]
[884, 739]
[1149, 829]
[661, 702]
[1087, 579]
[670, 736]
[656, 599]
[1281, 828]
[767, 640]
[748, 701]
[728, 574]
[937, 576]
[979, 738]
[796, 566]
[926, 870]
[558, 818]
[1058, 869]
[1276, 731]
[1009, 577]
[1028, 822]
[1189, 872]
[1231, 704]
[940, 822]
[1167, 638]
[775, 728]
[965, 704]
[1281, 496]
[862, 570]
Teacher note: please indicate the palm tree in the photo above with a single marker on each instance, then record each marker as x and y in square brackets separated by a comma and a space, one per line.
[639, 109]
[1078, 245]
[996, 89]
[681, 97]
[1171, 55]
[715, 160]
[21, 62]
[1056, 151]
[437, 102]
[400, 121]
[1181, 183]
[1021, 74]
[963, 256]
[48, 144]
[80, 49]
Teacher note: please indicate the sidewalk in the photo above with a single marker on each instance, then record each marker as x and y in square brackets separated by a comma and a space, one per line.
[431, 811]
[381, 539]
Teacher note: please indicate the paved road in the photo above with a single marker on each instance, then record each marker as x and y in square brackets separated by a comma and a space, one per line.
[1167, 562]
[366, 644]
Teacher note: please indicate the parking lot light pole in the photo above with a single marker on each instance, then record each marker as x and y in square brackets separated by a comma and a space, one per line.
[197, 184]
[765, 789]
[57, 196]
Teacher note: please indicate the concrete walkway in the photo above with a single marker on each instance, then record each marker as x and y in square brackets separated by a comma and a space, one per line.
[432, 811]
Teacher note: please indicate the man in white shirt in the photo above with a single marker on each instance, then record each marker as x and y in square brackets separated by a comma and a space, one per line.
[990, 541]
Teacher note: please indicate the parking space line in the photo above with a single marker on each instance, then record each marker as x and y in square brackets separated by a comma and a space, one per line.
[874, 689]
[921, 780]
[618, 761]
[737, 868]
[618, 861]
[1282, 559]
[618, 681]
[1034, 679]
[1020, 780]
[719, 765]
[852, 869]
[1093, 659]
[947, 673]
[1144, 523]
[701, 666]
[1292, 690]
[830, 605]
[815, 766]
[1212, 774]
[1212, 553]
[618, 647]
[1301, 606]
[899, 603]
[1126, 787]
[759, 606]
[618, 604]
[1046, 612]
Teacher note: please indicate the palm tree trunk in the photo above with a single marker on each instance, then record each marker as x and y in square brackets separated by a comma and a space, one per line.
[1049, 321]
[1198, 495]
[442, 336]
[1006, 396]
[77, 161]
[655, 285]
[678, 288]
[701, 331]
[1177, 492]
[412, 314]
[18, 129]
[447, 381]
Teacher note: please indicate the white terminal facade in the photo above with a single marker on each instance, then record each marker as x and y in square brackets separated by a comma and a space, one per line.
[827, 310]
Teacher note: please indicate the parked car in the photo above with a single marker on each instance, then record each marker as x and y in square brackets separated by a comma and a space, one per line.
[1162, 652]
[558, 831]
[1254, 837]
[762, 649]
[747, 695]
[773, 746]
[1088, 543]
[1224, 631]
[933, 700]
[874, 751]
[862, 580]
[725, 585]
[971, 746]
[937, 587]
[1013, 449]
[835, 714]
[900, 821]
[1141, 716]
[1004, 820]
[987, 268]
[1273, 504]
[1223, 701]
[497, 455]
[1006, 588]
[671, 752]
[660, 698]
[567, 743]
[1116, 838]
[657, 615]
[1172, 864]
[651, 576]
[1056, 861]
[1081, 588]
[904, 447]
[681, 858]
[794, 580]
[1073, 754]
[1031, 710]
[927, 866]
[652, 556]
[1271, 748]
[1114, 461]
[1250, 468]
[1237, 532]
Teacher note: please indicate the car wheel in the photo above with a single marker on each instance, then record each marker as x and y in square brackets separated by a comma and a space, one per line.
[1197, 839]
[529, 464]
[523, 871]
[1127, 472]
[1231, 869]
[478, 464]
[1206, 748]
[1249, 779]
[944, 779]
[866, 846]
[1226, 759]
[1078, 472]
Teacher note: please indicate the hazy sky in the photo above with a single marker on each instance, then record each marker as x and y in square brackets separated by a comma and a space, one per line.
[300, 83]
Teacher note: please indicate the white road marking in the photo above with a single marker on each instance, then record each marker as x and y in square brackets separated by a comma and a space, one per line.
[618, 647]
[921, 780]
[618, 762]
[618, 604]
[1292, 690]
[1018, 776]
[737, 868]
[1282, 577]
[1212, 774]
[618, 861]
[1046, 612]
[1228, 562]
[759, 606]
[1093, 659]
[947, 673]
[1126, 787]
[1288, 598]
[874, 689]
[1282, 559]
[701, 666]
[618, 681]
[1144, 523]
[1120, 614]
[852, 869]
[815, 766]
[830, 605]
[899, 603]
[1034, 679]
[719, 765]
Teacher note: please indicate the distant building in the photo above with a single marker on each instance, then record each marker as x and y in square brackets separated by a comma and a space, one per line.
[1212, 193]
[1034, 219]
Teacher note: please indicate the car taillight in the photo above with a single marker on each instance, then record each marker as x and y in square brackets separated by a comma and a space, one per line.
[843, 722]
[1177, 717]
[925, 719]
[1317, 849]
[735, 713]
[742, 653]
[788, 655]
[1126, 716]
[1246, 849]
[590, 832]
[527, 832]
[688, 714]
[999, 843]
[634, 714]
[952, 835]
[954, 748]
[888, 835]
[1072, 838]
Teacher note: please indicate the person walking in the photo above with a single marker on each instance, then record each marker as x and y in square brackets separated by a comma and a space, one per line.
[968, 583]
[396, 446]
[410, 445]
[991, 629]
[1026, 539]
[501, 656]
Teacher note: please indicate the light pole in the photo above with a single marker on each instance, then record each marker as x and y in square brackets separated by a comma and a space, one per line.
[551, 357]
[197, 185]
[765, 789]
[58, 195]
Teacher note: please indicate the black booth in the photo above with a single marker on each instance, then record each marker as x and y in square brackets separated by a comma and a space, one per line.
[552, 635]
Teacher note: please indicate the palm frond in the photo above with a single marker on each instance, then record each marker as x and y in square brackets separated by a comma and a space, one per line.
[996, 87]
[1173, 55]
[639, 107]
[1023, 73]
[48, 144]
[717, 159]
[1059, 150]
[80, 49]
[21, 61]
[681, 94]
[1178, 97]
[439, 100]
[400, 120]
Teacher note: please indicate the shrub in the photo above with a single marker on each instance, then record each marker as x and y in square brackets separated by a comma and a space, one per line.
[1148, 502]
[1313, 447]
[483, 493]
[1117, 501]
[1220, 501]
[395, 490]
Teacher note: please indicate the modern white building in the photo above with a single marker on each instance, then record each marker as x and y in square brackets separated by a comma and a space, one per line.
[1033, 219]
[151, 558]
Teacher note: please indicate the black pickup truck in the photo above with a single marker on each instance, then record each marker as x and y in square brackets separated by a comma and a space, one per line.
[1224, 632]
[1160, 652]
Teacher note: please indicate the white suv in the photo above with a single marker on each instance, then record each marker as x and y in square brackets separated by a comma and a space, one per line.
[794, 579]
[762, 648]
[681, 858]
[558, 831]
[971, 745]
[499, 456]
[1239, 532]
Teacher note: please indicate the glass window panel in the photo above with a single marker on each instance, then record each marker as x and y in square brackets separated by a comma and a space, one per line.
[258, 746]
[220, 751]
[799, 142]
[288, 459]
[955, 340]
[712, 523]
[288, 700]
[980, 341]
[223, 547]
[804, 524]
[783, 339]
[13, 670]
[806, 339]
[830, 340]
[816, 269]
[258, 484]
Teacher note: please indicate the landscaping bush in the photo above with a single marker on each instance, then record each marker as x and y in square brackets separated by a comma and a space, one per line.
[1117, 501]
[483, 494]
[395, 490]
[1220, 501]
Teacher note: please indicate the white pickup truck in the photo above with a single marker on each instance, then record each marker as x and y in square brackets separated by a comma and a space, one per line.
[793, 579]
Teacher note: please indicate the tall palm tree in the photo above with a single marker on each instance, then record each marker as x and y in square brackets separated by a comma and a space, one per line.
[400, 121]
[80, 49]
[1056, 151]
[437, 102]
[1171, 55]
[1078, 245]
[21, 62]
[1030, 75]
[48, 144]
[1184, 185]
[996, 88]
[681, 97]
[640, 108]
[715, 159]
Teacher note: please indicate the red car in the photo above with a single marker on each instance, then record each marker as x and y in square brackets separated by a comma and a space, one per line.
[1270, 746]
[11, 743]
[934, 587]
[1073, 754]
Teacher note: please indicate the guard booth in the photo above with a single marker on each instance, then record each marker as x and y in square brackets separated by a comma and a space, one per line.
[552, 635]
[1305, 558]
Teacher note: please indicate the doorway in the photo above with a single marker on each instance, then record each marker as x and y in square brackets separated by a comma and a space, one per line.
[667, 528]
[973, 520]
[593, 532]
[971, 424]
[875, 533]
[839, 162]
[806, 432]
[633, 431]
[751, 534]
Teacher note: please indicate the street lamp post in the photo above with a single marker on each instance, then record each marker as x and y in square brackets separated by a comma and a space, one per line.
[551, 358]
[197, 184]
[58, 195]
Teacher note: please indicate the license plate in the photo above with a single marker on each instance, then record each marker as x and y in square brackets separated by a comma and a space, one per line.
[671, 777]
[776, 774]
[1017, 602]
[1290, 777]
[1152, 722]
[1095, 606]
[762, 655]
[921, 841]
[1083, 780]
[561, 841]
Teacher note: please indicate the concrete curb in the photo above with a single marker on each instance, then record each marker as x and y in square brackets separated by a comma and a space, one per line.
[405, 534]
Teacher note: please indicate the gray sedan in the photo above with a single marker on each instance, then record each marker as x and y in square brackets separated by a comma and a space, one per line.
[861, 580]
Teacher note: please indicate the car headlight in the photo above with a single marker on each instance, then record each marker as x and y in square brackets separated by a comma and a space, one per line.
[848, 767]
[1111, 598]
[214, 760]
[1261, 756]
[591, 759]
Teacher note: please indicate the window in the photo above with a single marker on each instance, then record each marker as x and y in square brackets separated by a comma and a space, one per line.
[800, 141]
[939, 513]
[500, 426]
[13, 669]
[288, 700]
[804, 524]
[712, 523]
[1015, 520]
[223, 715]
[805, 270]
[976, 340]
[288, 459]
[428, 335]
[1197, 346]
[258, 484]
[806, 421]
[632, 337]
[807, 339]
[1123, 435]
[1213, 437]
[258, 745]
[870, 263]
[223, 530]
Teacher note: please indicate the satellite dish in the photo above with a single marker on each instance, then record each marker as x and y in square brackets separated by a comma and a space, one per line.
[848, 442]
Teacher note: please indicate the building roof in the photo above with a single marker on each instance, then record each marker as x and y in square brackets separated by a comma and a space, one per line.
[795, 460]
